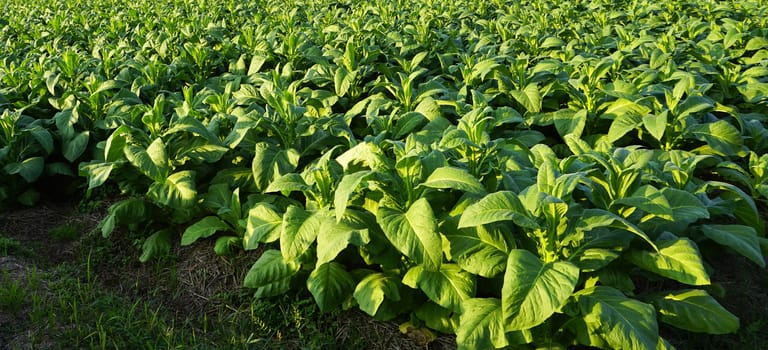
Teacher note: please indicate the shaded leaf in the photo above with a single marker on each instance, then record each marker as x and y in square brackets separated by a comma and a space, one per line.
[176, 191]
[694, 310]
[742, 239]
[447, 287]
[271, 275]
[621, 322]
[678, 259]
[330, 285]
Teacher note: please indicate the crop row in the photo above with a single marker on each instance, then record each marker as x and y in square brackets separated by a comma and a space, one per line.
[506, 171]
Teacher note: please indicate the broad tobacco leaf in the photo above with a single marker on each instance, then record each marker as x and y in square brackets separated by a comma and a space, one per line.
[271, 162]
[176, 191]
[453, 178]
[478, 250]
[344, 190]
[264, 225]
[123, 212]
[534, 290]
[331, 285]
[685, 206]
[694, 310]
[333, 237]
[156, 244]
[742, 239]
[30, 169]
[413, 233]
[438, 318]
[271, 275]
[677, 258]
[75, 147]
[300, 229]
[204, 228]
[447, 287]
[618, 321]
[481, 325]
[372, 292]
[497, 206]
[152, 161]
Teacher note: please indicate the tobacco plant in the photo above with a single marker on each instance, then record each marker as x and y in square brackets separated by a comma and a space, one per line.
[513, 173]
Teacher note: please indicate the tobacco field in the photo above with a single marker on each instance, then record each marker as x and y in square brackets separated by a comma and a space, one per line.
[514, 173]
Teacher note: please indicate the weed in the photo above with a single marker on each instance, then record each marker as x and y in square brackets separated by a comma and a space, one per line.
[10, 246]
[12, 294]
[67, 232]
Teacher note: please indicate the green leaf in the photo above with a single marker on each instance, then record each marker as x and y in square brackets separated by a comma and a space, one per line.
[742, 239]
[334, 237]
[741, 204]
[722, 137]
[621, 322]
[447, 287]
[271, 275]
[413, 233]
[271, 162]
[497, 206]
[114, 149]
[290, 182]
[28, 197]
[176, 191]
[694, 310]
[693, 104]
[331, 285]
[371, 292]
[534, 290]
[300, 228]
[529, 97]
[152, 162]
[365, 153]
[44, 139]
[571, 123]
[30, 169]
[126, 211]
[438, 318]
[97, 173]
[264, 225]
[192, 125]
[75, 147]
[225, 244]
[157, 244]
[756, 43]
[204, 228]
[599, 248]
[656, 124]
[454, 178]
[685, 206]
[678, 259]
[623, 124]
[479, 250]
[345, 188]
[481, 325]
[650, 200]
[407, 123]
